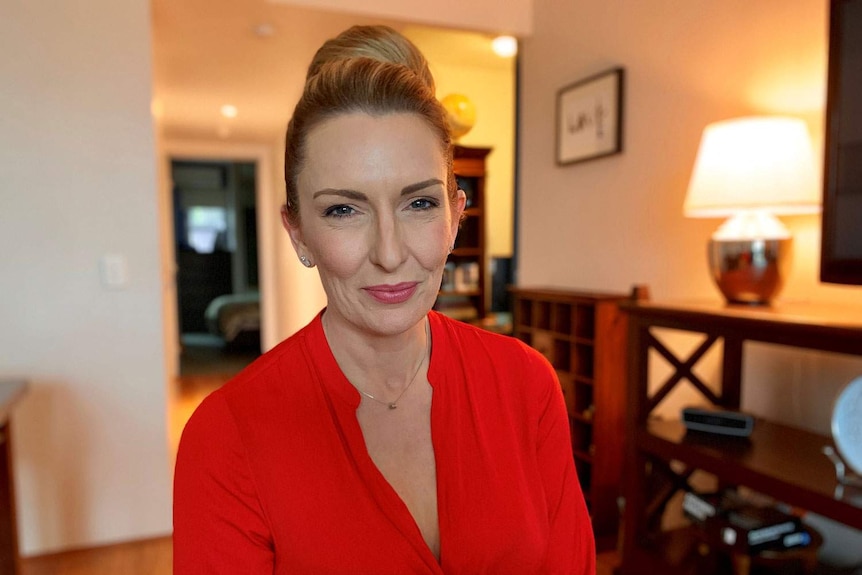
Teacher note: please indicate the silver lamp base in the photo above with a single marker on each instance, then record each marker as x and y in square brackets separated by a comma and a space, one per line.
[749, 271]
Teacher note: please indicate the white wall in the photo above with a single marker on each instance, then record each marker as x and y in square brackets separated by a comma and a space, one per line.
[618, 221]
[512, 16]
[77, 181]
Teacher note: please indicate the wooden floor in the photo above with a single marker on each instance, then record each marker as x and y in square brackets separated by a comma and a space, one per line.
[151, 557]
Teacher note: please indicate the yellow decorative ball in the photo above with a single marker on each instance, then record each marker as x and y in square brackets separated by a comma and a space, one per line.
[461, 114]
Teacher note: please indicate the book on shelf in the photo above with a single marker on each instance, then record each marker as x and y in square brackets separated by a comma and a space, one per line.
[457, 307]
[733, 523]
[701, 506]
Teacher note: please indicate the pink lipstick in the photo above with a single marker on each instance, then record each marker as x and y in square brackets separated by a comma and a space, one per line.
[392, 293]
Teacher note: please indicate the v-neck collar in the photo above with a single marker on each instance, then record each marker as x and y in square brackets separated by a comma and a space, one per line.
[336, 383]
[345, 400]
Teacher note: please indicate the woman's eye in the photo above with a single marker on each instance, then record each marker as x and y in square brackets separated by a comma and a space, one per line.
[423, 204]
[340, 211]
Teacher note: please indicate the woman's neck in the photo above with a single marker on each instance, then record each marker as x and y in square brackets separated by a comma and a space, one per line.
[378, 363]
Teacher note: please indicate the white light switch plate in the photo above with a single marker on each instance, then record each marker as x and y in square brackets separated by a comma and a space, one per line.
[114, 271]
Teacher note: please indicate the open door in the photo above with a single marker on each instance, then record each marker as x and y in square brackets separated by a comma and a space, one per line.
[215, 248]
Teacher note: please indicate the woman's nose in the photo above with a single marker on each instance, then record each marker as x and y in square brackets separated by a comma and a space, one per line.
[388, 250]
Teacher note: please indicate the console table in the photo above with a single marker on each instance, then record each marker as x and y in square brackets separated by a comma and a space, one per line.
[783, 462]
[10, 393]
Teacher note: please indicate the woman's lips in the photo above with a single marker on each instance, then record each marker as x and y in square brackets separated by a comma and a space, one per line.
[392, 293]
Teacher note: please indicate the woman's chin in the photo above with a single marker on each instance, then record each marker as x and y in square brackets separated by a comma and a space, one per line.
[382, 319]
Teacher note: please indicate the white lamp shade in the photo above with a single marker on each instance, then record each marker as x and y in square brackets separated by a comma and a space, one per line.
[756, 163]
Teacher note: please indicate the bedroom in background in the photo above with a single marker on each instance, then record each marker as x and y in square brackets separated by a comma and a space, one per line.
[215, 231]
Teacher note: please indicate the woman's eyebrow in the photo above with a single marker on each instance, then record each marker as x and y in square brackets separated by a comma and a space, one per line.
[421, 186]
[354, 195]
[349, 194]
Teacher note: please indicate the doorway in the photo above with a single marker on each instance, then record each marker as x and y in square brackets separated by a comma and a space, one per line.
[216, 253]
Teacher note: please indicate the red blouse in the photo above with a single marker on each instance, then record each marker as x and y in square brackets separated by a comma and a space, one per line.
[273, 476]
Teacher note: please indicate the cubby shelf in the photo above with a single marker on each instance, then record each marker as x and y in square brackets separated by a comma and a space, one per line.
[582, 334]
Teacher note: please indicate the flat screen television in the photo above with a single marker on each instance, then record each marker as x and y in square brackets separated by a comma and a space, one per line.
[841, 234]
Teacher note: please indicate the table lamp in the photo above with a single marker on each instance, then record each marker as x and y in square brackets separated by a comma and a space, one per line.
[750, 170]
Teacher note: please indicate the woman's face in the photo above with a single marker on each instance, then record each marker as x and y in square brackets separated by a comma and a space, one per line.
[375, 218]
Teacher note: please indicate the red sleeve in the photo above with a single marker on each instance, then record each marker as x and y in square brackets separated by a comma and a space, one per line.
[571, 546]
[219, 525]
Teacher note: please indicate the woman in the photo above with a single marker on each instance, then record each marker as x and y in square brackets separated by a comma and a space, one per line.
[383, 437]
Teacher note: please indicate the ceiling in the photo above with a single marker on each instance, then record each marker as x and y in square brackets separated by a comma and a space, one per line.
[253, 54]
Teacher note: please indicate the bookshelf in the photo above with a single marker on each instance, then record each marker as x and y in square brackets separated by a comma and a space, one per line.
[464, 292]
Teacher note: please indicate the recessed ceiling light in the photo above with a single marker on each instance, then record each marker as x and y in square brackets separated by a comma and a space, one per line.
[229, 111]
[505, 46]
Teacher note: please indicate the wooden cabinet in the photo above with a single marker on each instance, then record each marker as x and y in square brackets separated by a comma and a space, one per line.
[200, 279]
[778, 461]
[583, 336]
[10, 393]
[464, 291]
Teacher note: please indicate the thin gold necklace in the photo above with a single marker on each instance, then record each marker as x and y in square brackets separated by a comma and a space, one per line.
[394, 404]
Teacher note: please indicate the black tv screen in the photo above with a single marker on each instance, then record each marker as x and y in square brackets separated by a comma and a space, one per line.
[841, 238]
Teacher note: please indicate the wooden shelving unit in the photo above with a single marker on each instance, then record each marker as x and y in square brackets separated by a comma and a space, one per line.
[11, 392]
[583, 335]
[782, 462]
[468, 300]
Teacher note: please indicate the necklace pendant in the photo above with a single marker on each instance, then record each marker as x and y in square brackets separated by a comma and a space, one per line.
[392, 406]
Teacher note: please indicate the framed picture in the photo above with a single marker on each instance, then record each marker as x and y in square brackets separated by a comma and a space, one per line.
[590, 118]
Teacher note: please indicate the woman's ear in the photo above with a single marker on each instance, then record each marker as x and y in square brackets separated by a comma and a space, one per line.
[294, 232]
[457, 214]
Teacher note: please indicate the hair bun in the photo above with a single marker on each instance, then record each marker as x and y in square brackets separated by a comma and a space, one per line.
[380, 43]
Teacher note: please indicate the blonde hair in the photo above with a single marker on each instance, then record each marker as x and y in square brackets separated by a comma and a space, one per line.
[369, 69]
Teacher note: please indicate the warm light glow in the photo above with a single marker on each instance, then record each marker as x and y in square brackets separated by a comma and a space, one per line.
[792, 86]
[758, 163]
[229, 111]
[157, 108]
[505, 46]
[752, 225]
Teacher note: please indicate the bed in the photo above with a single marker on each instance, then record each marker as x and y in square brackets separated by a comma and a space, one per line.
[235, 318]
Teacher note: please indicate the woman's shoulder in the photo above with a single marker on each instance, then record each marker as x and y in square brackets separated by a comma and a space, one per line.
[475, 345]
[259, 382]
[505, 372]
[265, 370]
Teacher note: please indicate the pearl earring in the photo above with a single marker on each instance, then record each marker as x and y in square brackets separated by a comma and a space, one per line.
[305, 261]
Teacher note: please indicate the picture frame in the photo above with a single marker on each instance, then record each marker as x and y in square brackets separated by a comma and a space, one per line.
[590, 118]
